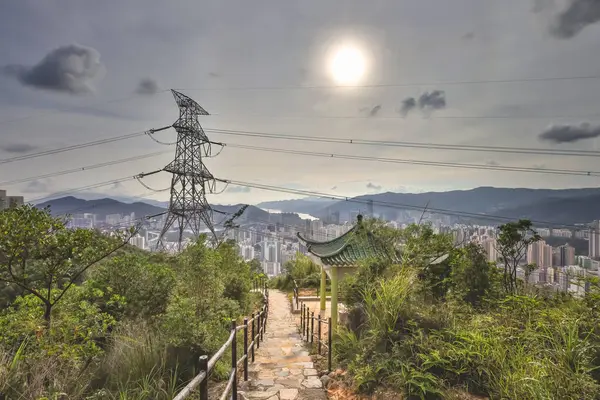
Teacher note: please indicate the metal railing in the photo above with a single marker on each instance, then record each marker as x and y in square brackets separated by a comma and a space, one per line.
[256, 325]
[308, 334]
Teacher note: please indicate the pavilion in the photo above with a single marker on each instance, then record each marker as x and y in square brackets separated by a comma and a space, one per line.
[341, 256]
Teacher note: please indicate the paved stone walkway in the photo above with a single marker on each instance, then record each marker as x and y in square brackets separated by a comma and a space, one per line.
[283, 369]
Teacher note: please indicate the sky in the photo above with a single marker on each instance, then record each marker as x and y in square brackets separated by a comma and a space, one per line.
[79, 71]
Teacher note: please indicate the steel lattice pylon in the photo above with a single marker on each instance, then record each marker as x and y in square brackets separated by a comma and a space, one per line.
[191, 179]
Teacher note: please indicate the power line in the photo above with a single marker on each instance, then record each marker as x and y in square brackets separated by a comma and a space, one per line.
[419, 162]
[388, 204]
[82, 169]
[73, 147]
[424, 145]
[403, 84]
[399, 117]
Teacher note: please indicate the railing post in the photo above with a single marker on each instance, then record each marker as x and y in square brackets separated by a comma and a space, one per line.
[204, 383]
[245, 349]
[319, 333]
[258, 330]
[307, 323]
[312, 327]
[253, 342]
[329, 347]
[234, 360]
[302, 318]
[262, 323]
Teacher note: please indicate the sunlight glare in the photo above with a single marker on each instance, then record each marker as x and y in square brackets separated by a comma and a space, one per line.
[347, 65]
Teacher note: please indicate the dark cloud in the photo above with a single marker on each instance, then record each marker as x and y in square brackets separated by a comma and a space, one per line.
[570, 133]
[375, 110]
[372, 111]
[18, 148]
[428, 102]
[435, 100]
[578, 15]
[238, 189]
[372, 186]
[147, 87]
[407, 105]
[67, 69]
[36, 186]
[468, 36]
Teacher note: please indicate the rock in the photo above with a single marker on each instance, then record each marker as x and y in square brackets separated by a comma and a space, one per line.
[310, 372]
[288, 394]
[312, 383]
[260, 395]
[325, 380]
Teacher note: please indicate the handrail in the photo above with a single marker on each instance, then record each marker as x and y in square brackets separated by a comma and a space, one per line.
[207, 366]
[307, 332]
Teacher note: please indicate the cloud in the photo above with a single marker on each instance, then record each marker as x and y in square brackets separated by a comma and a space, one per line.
[492, 163]
[36, 186]
[468, 36]
[372, 111]
[238, 189]
[428, 102]
[375, 110]
[214, 74]
[435, 100]
[67, 69]
[147, 87]
[333, 188]
[372, 186]
[407, 105]
[570, 133]
[578, 15]
[18, 148]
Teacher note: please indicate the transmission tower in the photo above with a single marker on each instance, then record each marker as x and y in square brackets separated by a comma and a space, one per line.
[188, 208]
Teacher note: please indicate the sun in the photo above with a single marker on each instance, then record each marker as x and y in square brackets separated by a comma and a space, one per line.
[347, 66]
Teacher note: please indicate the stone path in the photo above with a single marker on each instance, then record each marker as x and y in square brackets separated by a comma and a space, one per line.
[283, 369]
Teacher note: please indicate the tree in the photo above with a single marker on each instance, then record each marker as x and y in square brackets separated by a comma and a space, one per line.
[471, 275]
[513, 240]
[41, 256]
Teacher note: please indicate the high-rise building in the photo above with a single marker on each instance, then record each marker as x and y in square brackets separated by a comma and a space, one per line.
[567, 255]
[489, 245]
[540, 254]
[594, 240]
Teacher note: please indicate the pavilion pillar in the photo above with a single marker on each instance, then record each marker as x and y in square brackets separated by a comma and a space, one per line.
[334, 298]
[323, 289]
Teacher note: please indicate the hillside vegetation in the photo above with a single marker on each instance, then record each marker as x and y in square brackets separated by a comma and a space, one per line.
[85, 316]
[464, 327]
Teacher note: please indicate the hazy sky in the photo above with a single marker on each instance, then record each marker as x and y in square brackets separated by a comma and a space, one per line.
[77, 71]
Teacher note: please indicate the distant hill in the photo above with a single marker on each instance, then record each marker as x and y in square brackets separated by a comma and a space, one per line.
[579, 205]
[571, 210]
[101, 207]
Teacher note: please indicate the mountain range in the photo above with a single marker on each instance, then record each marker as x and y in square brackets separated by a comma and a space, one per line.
[563, 206]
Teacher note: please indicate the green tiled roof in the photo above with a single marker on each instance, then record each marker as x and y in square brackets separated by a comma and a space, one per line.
[348, 249]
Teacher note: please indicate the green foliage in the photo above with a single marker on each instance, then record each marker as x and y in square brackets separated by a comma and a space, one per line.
[39, 255]
[303, 270]
[513, 240]
[143, 286]
[131, 325]
[434, 336]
